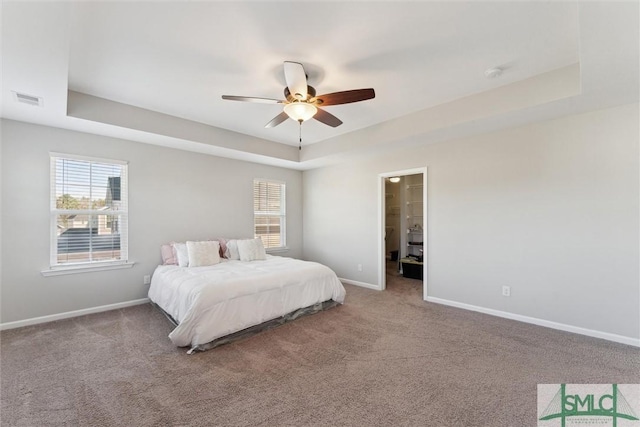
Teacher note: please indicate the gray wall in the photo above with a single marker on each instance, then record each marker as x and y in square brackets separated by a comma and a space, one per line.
[550, 209]
[173, 195]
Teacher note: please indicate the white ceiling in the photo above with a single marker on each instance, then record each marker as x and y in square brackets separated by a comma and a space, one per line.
[178, 58]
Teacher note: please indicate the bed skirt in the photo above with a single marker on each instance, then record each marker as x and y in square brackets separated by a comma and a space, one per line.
[253, 330]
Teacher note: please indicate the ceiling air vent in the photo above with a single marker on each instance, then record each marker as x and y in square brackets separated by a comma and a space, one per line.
[27, 99]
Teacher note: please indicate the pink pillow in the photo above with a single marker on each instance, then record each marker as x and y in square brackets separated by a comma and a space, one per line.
[168, 254]
[223, 245]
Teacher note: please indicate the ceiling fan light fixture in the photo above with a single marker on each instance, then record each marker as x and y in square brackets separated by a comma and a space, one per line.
[300, 111]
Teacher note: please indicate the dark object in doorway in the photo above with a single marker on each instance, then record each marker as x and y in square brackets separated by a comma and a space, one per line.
[394, 255]
[411, 269]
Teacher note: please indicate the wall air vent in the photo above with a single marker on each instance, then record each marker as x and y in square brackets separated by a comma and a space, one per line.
[27, 99]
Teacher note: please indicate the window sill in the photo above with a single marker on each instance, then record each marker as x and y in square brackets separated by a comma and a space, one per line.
[59, 271]
[277, 250]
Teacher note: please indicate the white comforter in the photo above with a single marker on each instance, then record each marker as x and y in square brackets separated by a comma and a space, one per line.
[211, 302]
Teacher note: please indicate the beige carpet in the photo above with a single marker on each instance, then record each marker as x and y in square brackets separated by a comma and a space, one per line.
[382, 359]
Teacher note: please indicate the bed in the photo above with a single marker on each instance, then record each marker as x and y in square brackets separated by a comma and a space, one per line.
[211, 302]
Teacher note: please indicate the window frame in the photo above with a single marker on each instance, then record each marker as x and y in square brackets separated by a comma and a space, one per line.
[282, 214]
[56, 268]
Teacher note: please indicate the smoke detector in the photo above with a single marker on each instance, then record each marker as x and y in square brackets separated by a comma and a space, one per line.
[35, 101]
[492, 73]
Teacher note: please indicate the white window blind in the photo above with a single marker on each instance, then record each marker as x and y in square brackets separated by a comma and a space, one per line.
[269, 212]
[89, 212]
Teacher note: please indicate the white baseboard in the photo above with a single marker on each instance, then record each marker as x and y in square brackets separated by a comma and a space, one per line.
[361, 284]
[540, 322]
[68, 314]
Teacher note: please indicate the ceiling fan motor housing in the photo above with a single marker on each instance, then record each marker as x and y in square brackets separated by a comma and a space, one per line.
[311, 92]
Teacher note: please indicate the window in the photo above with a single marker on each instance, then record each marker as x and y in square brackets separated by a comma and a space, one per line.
[269, 212]
[88, 211]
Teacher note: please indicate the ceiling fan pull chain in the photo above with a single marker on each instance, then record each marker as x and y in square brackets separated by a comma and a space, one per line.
[300, 146]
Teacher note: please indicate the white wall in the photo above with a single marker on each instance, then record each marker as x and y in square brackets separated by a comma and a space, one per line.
[173, 195]
[551, 209]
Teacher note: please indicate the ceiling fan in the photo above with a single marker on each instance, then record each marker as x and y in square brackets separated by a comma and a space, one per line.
[301, 102]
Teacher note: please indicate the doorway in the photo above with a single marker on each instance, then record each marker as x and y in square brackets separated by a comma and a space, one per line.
[403, 228]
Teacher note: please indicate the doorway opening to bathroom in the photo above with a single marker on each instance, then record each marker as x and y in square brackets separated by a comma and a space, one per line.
[403, 232]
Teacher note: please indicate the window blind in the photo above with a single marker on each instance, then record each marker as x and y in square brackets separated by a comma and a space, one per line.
[89, 212]
[269, 212]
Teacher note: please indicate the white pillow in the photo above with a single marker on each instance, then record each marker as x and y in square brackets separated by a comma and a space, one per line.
[203, 253]
[232, 250]
[251, 250]
[181, 254]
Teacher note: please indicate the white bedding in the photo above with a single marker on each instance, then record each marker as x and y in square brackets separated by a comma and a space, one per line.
[218, 300]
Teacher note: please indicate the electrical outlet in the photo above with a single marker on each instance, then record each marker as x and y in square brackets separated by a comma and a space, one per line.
[506, 291]
[146, 279]
[359, 267]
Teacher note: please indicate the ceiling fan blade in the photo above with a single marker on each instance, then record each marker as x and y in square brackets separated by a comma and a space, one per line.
[327, 118]
[252, 99]
[296, 79]
[277, 120]
[345, 97]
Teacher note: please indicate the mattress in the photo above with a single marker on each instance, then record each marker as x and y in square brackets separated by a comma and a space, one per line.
[215, 301]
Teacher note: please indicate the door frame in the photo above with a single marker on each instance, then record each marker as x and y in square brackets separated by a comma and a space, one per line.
[382, 280]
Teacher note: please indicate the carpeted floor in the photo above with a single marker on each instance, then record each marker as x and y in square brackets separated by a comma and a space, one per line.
[382, 359]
